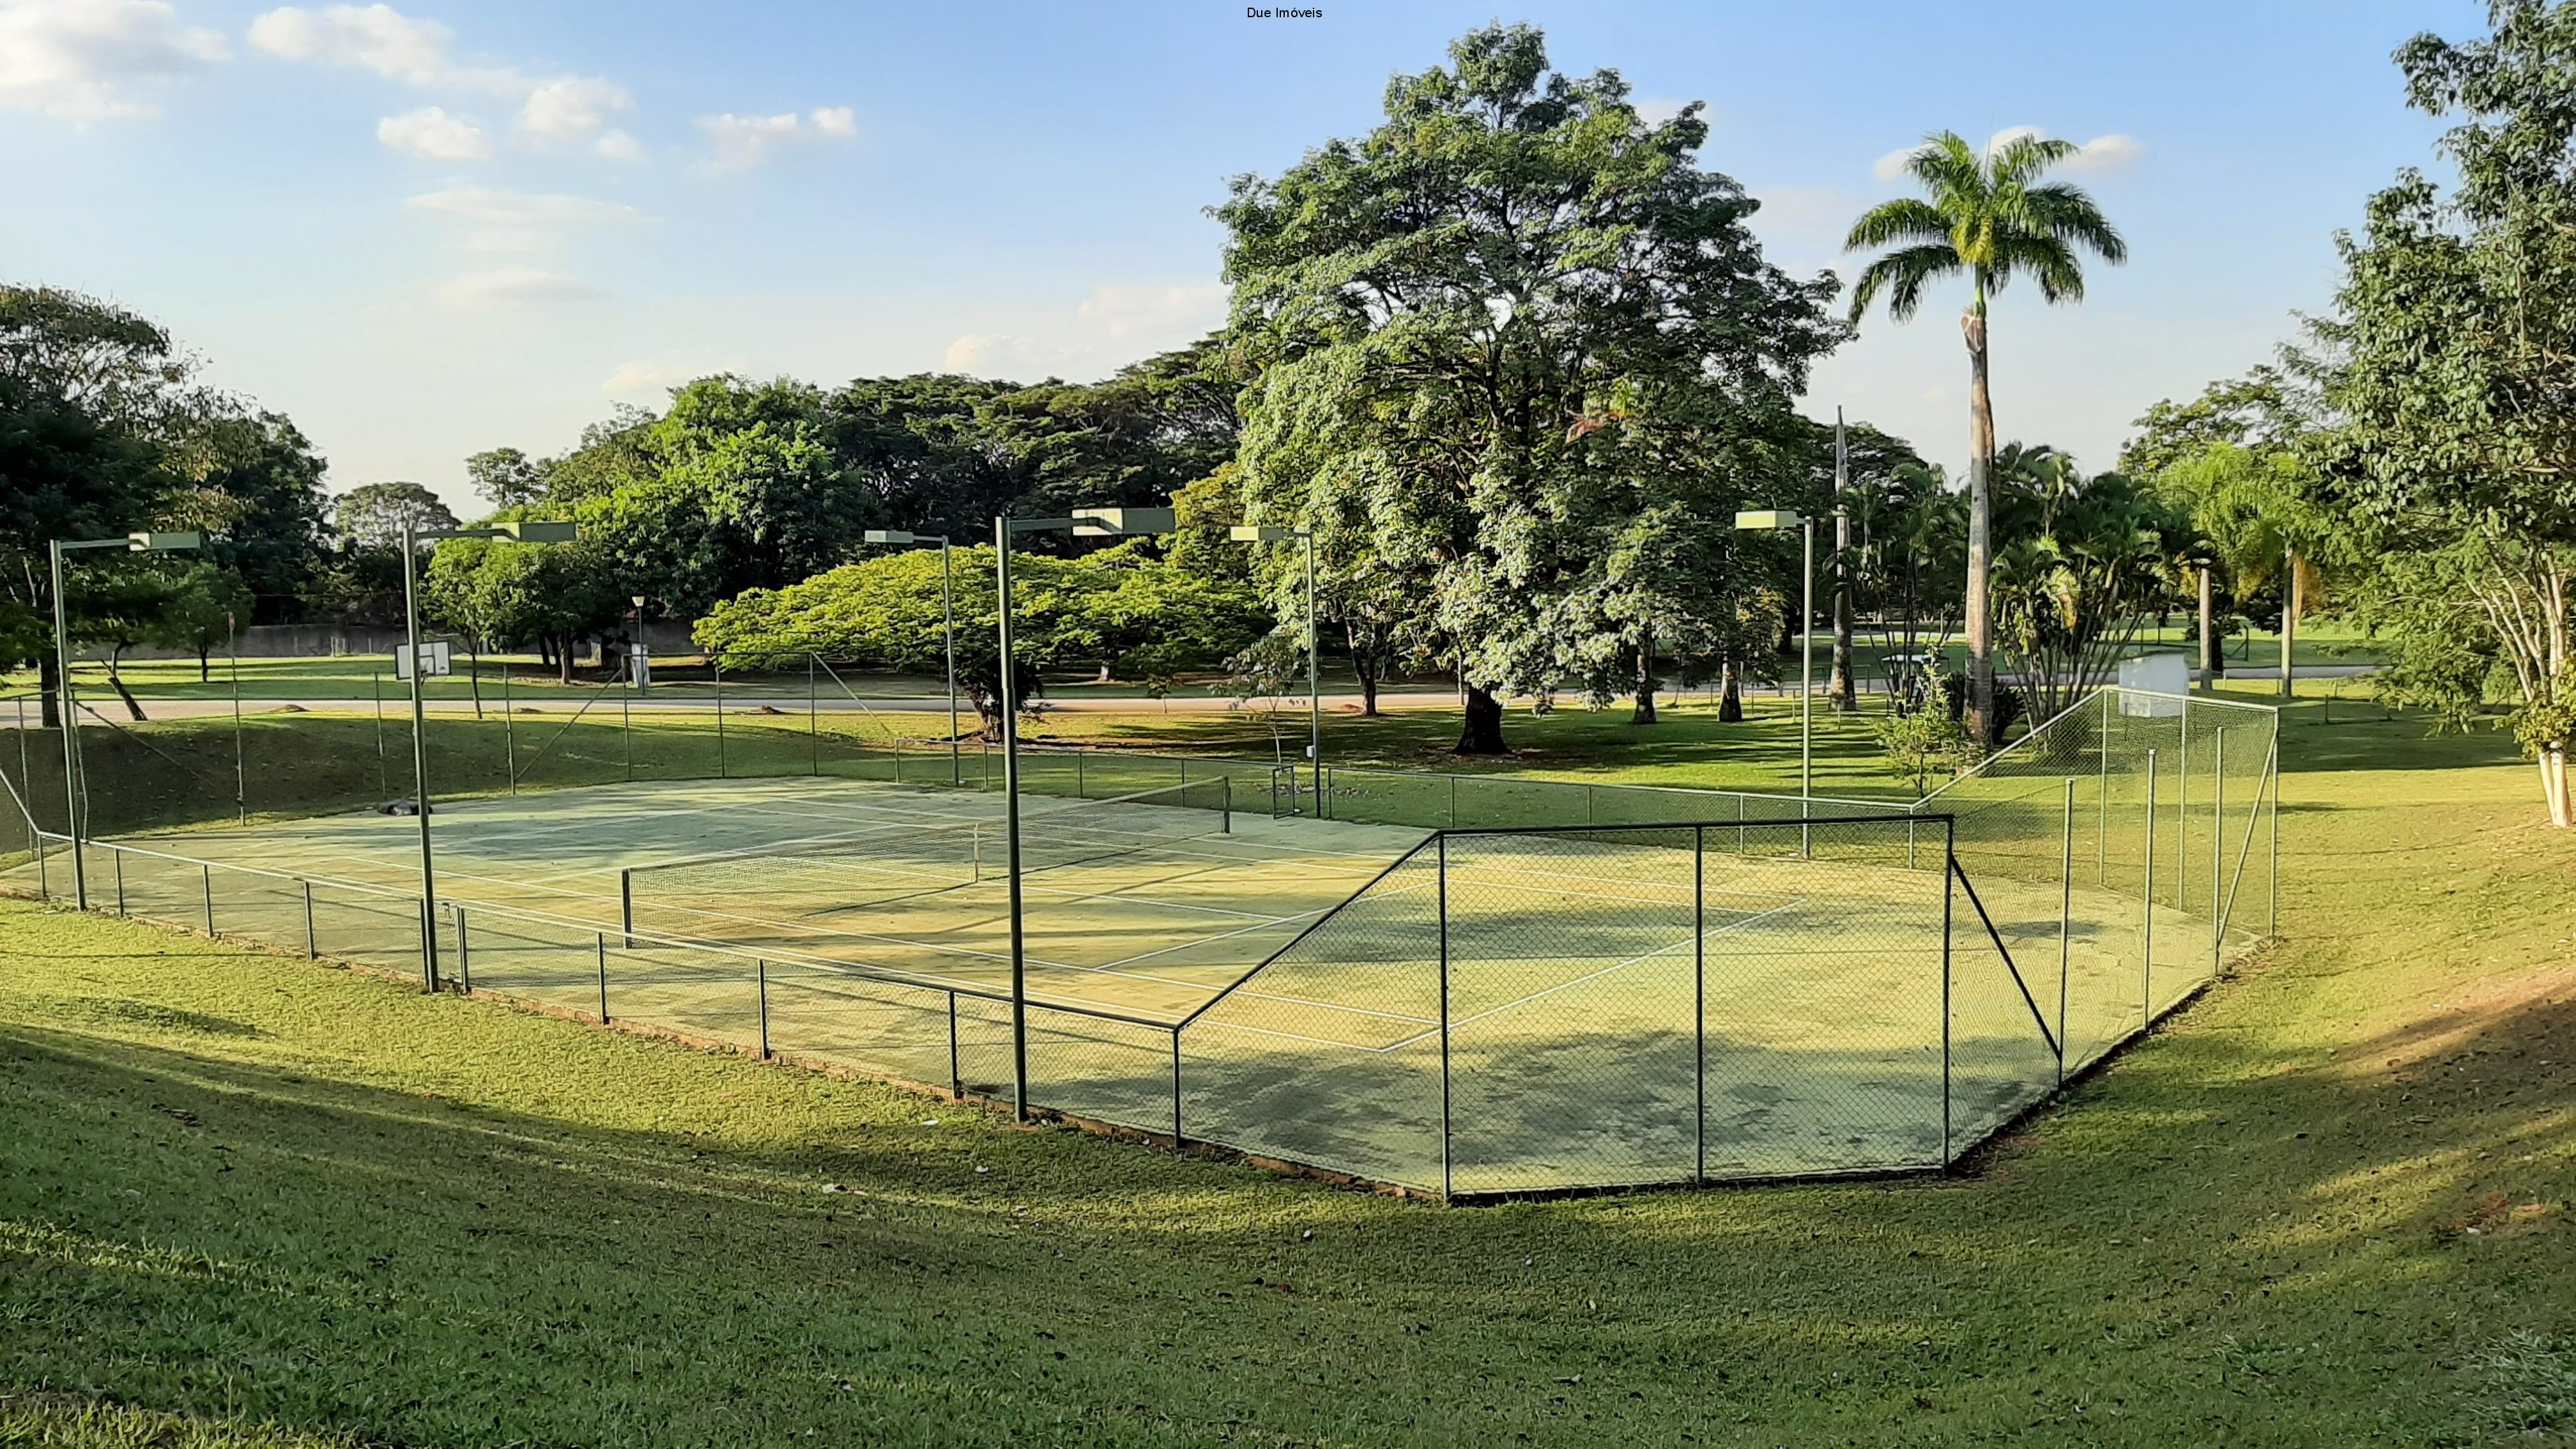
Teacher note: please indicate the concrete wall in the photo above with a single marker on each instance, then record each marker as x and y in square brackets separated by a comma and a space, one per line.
[666, 638]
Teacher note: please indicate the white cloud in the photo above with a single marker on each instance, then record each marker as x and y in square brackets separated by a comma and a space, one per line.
[651, 380]
[371, 37]
[511, 289]
[518, 221]
[1655, 112]
[432, 134]
[618, 146]
[75, 58]
[1121, 310]
[991, 355]
[742, 142]
[2102, 153]
[571, 108]
[2105, 153]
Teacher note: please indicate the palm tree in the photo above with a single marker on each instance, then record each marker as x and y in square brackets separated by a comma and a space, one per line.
[1982, 215]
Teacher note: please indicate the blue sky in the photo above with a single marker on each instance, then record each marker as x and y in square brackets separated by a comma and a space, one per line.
[428, 228]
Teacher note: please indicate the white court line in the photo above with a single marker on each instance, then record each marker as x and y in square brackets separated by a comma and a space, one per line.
[1402, 1043]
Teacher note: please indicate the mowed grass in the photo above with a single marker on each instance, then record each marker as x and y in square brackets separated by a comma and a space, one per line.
[251, 1200]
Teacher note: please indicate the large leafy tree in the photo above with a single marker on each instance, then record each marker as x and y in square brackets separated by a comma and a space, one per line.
[1493, 334]
[1986, 217]
[374, 515]
[2090, 559]
[2453, 438]
[1142, 616]
[499, 593]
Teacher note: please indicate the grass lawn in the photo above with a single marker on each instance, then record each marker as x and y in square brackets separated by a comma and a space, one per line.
[255, 1201]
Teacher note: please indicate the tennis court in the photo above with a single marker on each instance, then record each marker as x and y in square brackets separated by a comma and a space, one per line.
[1143, 904]
[1598, 986]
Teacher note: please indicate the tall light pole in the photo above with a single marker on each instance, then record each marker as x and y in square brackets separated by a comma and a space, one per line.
[1781, 520]
[1082, 523]
[70, 705]
[1843, 689]
[1246, 533]
[947, 627]
[412, 538]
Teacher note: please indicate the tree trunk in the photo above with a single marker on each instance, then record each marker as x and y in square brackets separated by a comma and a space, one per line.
[2289, 619]
[1981, 470]
[1730, 704]
[1482, 731]
[563, 661]
[204, 674]
[1368, 693]
[1842, 690]
[49, 680]
[2210, 667]
[116, 679]
[1645, 682]
[2553, 783]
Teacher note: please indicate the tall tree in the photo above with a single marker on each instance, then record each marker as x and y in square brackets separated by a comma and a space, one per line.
[374, 515]
[2452, 440]
[1462, 316]
[1985, 216]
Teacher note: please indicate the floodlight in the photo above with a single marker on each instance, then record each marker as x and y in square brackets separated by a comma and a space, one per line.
[1121, 522]
[886, 535]
[1768, 520]
[163, 542]
[1251, 533]
[534, 530]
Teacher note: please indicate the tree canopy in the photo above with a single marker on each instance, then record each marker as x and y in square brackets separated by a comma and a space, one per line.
[1518, 359]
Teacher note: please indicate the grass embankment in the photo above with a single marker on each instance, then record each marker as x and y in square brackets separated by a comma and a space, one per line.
[2328, 1206]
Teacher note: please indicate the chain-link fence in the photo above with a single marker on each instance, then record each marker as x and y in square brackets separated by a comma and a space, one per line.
[1590, 986]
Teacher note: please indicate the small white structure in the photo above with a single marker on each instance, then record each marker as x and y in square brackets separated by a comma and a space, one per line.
[2152, 685]
[434, 660]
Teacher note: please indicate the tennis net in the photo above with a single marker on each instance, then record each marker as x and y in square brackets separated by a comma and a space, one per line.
[905, 860]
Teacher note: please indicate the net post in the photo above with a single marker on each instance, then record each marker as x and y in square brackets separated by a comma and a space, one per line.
[2272, 881]
[715, 662]
[312, 947]
[626, 906]
[956, 1079]
[602, 939]
[464, 955]
[2218, 856]
[1949, 891]
[208, 872]
[116, 864]
[1443, 865]
[1699, 1004]
[509, 729]
[2182, 817]
[2147, 910]
[2102, 833]
[1177, 1140]
[761, 965]
[2065, 923]
[1225, 805]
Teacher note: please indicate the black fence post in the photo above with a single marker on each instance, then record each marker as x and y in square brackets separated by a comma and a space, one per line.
[1699, 1003]
[1446, 1175]
[1176, 1089]
[603, 978]
[312, 947]
[464, 956]
[209, 873]
[762, 966]
[116, 858]
[716, 663]
[1949, 877]
[956, 1079]
[626, 907]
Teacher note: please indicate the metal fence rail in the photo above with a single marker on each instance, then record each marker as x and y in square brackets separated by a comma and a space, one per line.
[1514, 1006]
